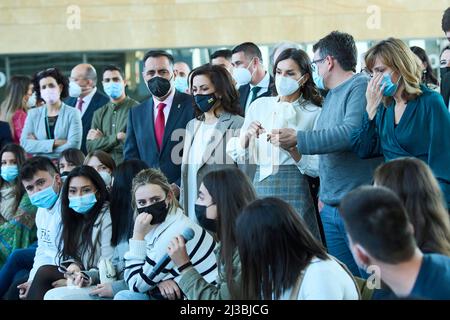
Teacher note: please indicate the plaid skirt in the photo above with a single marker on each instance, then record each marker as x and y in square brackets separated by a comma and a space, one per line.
[290, 185]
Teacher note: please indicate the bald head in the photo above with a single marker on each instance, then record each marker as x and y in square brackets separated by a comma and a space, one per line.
[181, 69]
[85, 76]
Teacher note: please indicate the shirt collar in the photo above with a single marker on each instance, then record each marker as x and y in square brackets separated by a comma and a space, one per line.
[264, 83]
[168, 101]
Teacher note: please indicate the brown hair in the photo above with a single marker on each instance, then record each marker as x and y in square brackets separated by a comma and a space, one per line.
[396, 55]
[412, 180]
[103, 157]
[226, 93]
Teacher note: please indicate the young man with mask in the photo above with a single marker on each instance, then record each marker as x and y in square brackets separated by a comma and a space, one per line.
[108, 129]
[382, 238]
[181, 71]
[340, 170]
[251, 77]
[85, 96]
[43, 184]
[156, 127]
[222, 58]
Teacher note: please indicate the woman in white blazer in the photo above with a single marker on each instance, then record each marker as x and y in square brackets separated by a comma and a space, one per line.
[55, 126]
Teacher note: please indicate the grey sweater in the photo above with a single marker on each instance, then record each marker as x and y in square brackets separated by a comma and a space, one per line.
[340, 170]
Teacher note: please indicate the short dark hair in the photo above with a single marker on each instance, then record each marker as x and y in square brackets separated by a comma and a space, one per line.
[446, 20]
[376, 219]
[223, 53]
[157, 54]
[112, 67]
[445, 49]
[73, 155]
[223, 83]
[35, 164]
[55, 74]
[341, 46]
[250, 50]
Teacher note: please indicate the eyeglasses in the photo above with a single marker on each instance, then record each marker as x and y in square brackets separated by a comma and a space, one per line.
[314, 63]
[367, 72]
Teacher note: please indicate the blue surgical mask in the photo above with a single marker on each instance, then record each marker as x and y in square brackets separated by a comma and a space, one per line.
[318, 79]
[390, 88]
[10, 173]
[45, 198]
[113, 89]
[181, 84]
[205, 101]
[82, 204]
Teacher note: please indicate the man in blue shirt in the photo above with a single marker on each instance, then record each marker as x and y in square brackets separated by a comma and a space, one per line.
[382, 237]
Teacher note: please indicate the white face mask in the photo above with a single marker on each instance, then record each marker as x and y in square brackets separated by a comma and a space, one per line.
[106, 177]
[243, 75]
[32, 100]
[74, 89]
[50, 95]
[286, 86]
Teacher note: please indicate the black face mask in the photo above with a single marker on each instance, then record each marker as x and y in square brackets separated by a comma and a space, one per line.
[158, 210]
[158, 86]
[444, 71]
[205, 101]
[203, 221]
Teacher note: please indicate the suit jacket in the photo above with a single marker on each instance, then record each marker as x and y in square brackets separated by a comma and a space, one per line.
[68, 127]
[98, 101]
[244, 91]
[445, 88]
[141, 141]
[5, 134]
[215, 156]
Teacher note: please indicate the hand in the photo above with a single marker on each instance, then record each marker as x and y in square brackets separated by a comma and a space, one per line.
[295, 154]
[169, 289]
[254, 130]
[284, 138]
[23, 289]
[81, 280]
[175, 190]
[374, 95]
[59, 283]
[103, 290]
[177, 251]
[142, 225]
[31, 136]
[94, 134]
[58, 142]
[121, 136]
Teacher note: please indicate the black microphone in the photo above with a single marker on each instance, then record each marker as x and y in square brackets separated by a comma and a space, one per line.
[187, 235]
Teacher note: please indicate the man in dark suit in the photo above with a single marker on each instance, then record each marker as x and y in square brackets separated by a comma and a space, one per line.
[253, 80]
[85, 96]
[156, 127]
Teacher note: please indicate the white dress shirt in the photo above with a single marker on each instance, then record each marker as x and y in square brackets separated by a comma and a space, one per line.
[168, 102]
[86, 101]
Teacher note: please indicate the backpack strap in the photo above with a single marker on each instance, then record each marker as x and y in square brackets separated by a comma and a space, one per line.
[349, 273]
[296, 288]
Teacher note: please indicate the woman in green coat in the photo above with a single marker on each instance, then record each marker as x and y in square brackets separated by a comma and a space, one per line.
[222, 196]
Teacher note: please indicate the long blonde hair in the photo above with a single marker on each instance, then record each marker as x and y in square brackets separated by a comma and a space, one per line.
[156, 177]
[15, 92]
[396, 55]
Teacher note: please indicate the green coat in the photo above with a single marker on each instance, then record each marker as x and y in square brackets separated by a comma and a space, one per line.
[110, 120]
[196, 288]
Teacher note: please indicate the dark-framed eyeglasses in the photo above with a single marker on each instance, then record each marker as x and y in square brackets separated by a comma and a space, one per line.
[315, 62]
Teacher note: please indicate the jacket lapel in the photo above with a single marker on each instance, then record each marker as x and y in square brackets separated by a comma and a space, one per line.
[220, 131]
[174, 116]
[146, 120]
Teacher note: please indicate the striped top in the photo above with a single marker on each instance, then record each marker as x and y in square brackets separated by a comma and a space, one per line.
[143, 255]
